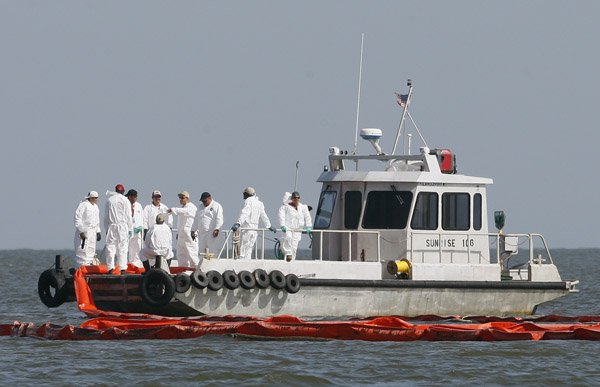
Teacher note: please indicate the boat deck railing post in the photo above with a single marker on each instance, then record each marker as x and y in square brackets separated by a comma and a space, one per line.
[350, 246]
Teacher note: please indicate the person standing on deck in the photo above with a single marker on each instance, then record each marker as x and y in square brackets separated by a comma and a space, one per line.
[119, 227]
[153, 209]
[187, 245]
[207, 224]
[87, 229]
[293, 218]
[252, 212]
[135, 242]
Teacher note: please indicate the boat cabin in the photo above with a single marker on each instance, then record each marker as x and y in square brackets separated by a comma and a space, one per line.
[413, 207]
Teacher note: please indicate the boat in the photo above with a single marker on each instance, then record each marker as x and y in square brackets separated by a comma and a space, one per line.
[393, 234]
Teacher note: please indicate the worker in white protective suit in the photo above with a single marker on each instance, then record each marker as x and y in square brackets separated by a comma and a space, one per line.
[137, 218]
[187, 245]
[159, 241]
[252, 212]
[153, 209]
[294, 218]
[207, 225]
[87, 229]
[119, 227]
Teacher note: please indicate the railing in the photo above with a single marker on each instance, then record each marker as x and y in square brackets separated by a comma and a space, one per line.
[349, 232]
[469, 249]
[228, 249]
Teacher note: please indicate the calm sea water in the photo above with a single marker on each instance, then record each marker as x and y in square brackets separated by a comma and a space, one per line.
[221, 360]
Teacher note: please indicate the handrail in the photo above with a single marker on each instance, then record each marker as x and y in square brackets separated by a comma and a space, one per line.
[261, 245]
[530, 239]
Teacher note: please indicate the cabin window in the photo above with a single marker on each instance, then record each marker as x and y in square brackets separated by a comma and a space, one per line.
[325, 210]
[477, 211]
[425, 215]
[352, 209]
[456, 211]
[387, 210]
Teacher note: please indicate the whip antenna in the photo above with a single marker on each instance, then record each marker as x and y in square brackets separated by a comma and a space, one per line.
[362, 42]
[296, 178]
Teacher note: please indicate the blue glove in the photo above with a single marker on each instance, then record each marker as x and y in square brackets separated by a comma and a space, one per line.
[283, 228]
[308, 230]
[235, 227]
[130, 233]
[137, 230]
[272, 229]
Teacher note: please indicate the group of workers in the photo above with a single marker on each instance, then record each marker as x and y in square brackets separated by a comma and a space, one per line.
[135, 234]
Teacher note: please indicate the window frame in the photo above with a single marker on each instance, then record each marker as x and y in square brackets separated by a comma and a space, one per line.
[318, 216]
[356, 224]
[456, 207]
[369, 224]
[425, 217]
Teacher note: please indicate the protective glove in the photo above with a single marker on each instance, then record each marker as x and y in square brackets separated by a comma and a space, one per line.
[235, 227]
[137, 230]
[283, 228]
[145, 233]
[272, 229]
[308, 230]
[194, 235]
[130, 233]
[98, 237]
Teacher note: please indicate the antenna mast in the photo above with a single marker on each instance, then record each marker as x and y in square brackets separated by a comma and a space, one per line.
[404, 104]
[362, 41]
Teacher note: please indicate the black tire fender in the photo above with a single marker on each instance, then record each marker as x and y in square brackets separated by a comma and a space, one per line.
[182, 282]
[247, 280]
[215, 280]
[262, 278]
[49, 280]
[277, 279]
[292, 283]
[231, 280]
[157, 288]
[199, 279]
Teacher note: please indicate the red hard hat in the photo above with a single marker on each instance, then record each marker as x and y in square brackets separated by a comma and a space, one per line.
[119, 187]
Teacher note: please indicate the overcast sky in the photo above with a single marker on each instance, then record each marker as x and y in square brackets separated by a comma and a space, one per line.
[215, 96]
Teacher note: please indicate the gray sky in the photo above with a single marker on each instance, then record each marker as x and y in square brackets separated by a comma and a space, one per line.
[215, 96]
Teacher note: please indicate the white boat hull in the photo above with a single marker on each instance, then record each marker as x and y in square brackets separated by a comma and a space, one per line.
[360, 301]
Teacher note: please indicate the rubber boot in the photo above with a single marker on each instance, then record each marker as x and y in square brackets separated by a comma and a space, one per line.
[146, 266]
[157, 262]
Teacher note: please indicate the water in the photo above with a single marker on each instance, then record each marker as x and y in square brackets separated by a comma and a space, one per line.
[220, 360]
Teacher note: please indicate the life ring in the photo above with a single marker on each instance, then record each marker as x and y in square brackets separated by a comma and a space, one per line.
[199, 279]
[231, 280]
[292, 283]
[215, 280]
[277, 279]
[52, 288]
[182, 282]
[157, 288]
[247, 280]
[261, 278]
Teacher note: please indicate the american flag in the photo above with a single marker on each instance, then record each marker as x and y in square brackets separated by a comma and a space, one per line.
[402, 99]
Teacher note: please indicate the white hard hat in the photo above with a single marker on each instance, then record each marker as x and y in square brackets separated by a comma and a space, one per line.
[92, 194]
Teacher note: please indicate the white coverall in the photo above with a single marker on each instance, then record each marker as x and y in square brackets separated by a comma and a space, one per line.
[253, 211]
[293, 219]
[135, 242]
[118, 224]
[206, 221]
[187, 248]
[87, 220]
[159, 241]
[150, 212]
